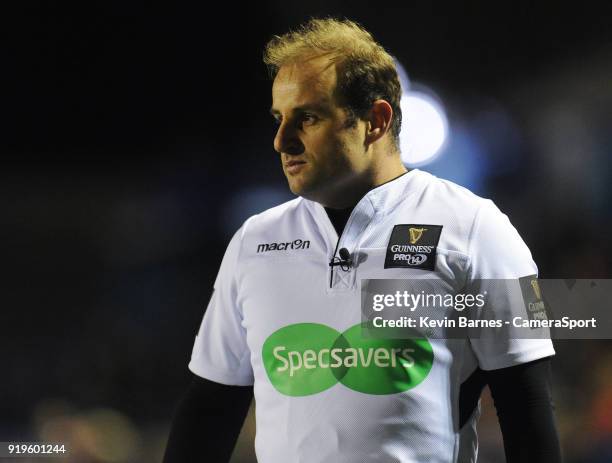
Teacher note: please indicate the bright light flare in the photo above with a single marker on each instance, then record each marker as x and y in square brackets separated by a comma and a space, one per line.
[424, 128]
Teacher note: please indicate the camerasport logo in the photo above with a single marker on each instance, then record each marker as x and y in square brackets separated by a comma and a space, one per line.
[308, 358]
[413, 246]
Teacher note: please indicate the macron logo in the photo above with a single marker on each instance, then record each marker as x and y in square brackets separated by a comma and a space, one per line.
[295, 244]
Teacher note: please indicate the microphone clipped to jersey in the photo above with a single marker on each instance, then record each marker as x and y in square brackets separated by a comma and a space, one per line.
[344, 261]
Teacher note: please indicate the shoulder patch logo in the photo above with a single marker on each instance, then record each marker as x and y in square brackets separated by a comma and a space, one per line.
[404, 252]
[536, 289]
[533, 299]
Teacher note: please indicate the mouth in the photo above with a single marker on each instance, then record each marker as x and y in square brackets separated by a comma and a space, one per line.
[293, 167]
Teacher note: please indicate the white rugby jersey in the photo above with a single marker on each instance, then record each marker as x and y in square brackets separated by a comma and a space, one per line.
[282, 319]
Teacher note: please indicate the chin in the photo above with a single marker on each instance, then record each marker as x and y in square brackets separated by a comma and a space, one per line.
[299, 188]
[296, 189]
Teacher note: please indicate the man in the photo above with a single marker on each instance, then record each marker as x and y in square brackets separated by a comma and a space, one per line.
[286, 301]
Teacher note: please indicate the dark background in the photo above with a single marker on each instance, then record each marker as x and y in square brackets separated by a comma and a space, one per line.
[136, 139]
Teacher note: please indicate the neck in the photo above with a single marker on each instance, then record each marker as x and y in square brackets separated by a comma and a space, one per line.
[389, 170]
[350, 192]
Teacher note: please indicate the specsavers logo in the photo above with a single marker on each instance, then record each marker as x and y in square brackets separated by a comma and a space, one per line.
[308, 358]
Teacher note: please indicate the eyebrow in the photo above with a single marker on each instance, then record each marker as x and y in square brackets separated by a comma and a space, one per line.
[309, 107]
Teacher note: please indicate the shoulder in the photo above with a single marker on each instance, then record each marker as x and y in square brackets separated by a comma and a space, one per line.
[451, 197]
[284, 214]
[433, 200]
[476, 227]
[283, 221]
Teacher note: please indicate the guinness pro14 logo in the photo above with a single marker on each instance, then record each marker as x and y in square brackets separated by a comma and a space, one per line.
[413, 246]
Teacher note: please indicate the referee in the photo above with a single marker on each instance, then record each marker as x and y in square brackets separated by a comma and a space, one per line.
[284, 317]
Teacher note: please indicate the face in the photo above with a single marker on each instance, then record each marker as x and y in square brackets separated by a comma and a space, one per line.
[322, 158]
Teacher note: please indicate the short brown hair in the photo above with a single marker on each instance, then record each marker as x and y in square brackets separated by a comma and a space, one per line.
[366, 71]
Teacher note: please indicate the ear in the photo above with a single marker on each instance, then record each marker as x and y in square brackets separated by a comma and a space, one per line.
[379, 121]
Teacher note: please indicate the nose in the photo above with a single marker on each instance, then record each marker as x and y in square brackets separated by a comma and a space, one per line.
[287, 140]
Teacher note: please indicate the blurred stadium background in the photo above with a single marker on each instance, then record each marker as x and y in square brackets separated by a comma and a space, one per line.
[137, 138]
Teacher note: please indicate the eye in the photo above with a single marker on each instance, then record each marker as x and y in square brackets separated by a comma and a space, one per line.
[309, 118]
[277, 120]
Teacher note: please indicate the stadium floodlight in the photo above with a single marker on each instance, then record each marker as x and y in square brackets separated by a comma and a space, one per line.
[424, 124]
[424, 128]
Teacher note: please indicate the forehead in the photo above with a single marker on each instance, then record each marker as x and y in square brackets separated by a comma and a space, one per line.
[304, 82]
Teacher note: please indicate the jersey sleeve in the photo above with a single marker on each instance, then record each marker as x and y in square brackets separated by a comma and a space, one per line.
[498, 258]
[220, 352]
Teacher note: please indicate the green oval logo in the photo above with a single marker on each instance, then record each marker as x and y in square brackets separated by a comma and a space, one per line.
[295, 357]
[308, 358]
